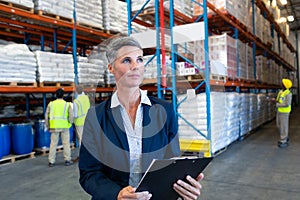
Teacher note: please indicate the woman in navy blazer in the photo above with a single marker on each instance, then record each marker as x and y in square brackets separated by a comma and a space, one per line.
[124, 133]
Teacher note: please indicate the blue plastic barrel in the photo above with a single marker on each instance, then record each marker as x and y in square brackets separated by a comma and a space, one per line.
[22, 138]
[4, 140]
[42, 135]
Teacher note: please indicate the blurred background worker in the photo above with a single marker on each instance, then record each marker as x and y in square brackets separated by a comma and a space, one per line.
[283, 104]
[58, 120]
[81, 106]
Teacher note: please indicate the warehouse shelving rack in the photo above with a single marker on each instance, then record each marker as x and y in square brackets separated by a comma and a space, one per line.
[239, 31]
[63, 35]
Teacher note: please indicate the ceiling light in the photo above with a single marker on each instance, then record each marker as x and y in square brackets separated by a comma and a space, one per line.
[290, 18]
[283, 2]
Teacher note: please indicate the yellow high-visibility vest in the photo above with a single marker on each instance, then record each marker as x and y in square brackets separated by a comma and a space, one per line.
[83, 105]
[280, 98]
[59, 114]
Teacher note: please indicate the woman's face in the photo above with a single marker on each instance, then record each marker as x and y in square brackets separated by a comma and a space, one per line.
[128, 68]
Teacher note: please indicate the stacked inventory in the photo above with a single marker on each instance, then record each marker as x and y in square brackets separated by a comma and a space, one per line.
[194, 118]
[271, 105]
[54, 67]
[244, 114]
[242, 67]
[183, 6]
[89, 13]
[17, 63]
[25, 3]
[262, 108]
[115, 15]
[151, 67]
[90, 70]
[262, 69]
[60, 8]
[236, 8]
[232, 120]
[252, 118]
[250, 63]
[222, 52]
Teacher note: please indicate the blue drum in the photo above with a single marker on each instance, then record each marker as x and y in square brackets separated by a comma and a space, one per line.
[4, 140]
[42, 135]
[22, 138]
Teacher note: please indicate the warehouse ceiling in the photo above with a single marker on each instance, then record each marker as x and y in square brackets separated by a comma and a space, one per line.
[291, 8]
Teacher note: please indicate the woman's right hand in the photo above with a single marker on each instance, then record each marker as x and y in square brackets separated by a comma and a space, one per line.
[129, 193]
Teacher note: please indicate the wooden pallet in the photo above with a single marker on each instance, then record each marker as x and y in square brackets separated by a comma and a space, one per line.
[18, 6]
[2, 83]
[53, 16]
[13, 158]
[56, 84]
[218, 77]
[45, 151]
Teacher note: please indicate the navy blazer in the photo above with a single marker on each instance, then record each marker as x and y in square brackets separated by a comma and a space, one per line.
[104, 154]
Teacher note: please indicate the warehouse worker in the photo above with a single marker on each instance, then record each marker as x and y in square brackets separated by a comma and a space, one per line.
[58, 119]
[81, 106]
[124, 133]
[283, 104]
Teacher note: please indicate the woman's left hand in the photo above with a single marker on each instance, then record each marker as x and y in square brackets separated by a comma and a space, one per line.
[190, 190]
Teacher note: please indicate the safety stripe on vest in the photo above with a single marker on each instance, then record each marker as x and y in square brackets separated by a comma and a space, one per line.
[81, 109]
[52, 117]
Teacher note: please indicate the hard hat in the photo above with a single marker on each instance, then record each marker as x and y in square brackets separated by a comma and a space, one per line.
[287, 83]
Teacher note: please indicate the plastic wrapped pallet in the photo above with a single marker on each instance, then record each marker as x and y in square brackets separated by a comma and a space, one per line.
[25, 3]
[89, 13]
[242, 68]
[183, 6]
[115, 16]
[55, 67]
[18, 64]
[222, 54]
[236, 8]
[244, 114]
[60, 8]
[193, 110]
[232, 119]
[90, 71]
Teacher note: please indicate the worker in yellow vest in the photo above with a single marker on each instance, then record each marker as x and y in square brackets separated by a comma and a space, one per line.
[81, 106]
[58, 119]
[283, 104]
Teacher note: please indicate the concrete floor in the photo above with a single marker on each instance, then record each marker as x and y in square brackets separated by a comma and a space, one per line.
[254, 168]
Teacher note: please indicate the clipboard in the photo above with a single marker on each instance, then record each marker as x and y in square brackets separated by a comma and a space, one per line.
[162, 174]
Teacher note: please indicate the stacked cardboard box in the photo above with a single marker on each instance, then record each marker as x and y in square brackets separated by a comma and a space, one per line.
[222, 55]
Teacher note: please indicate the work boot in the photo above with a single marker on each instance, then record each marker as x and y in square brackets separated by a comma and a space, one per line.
[283, 144]
[68, 162]
[51, 164]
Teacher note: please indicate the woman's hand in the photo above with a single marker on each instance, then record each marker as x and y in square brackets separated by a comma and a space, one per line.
[191, 190]
[129, 193]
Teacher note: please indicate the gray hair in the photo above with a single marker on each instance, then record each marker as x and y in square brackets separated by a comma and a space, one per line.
[116, 44]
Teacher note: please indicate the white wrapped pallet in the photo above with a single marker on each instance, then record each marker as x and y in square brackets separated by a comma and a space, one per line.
[55, 67]
[25, 3]
[115, 16]
[18, 64]
[60, 8]
[89, 13]
[90, 71]
[194, 110]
